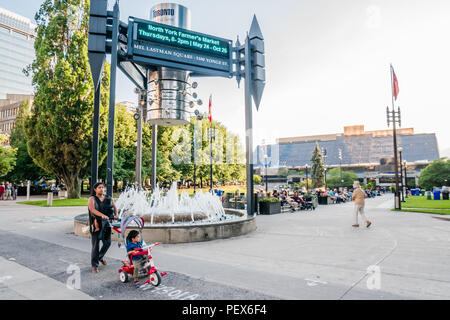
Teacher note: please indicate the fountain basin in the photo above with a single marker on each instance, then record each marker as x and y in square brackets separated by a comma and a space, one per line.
[182, 233]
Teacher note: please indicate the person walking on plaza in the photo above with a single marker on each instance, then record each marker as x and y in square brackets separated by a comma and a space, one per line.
[8, 191]
[15, 189]
[2, 191]
[97, 210]
[359, 197]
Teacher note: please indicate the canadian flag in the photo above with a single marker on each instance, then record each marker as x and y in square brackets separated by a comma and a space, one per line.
[210, 115]
[395, 89]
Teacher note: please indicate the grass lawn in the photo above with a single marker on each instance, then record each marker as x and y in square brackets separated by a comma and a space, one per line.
[59, 203]
[422, 202]
[434, 211]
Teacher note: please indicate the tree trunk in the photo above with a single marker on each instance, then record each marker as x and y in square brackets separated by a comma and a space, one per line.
[73, 185]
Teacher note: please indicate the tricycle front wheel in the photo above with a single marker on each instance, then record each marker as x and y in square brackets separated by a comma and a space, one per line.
[155, 279]
[123, 276]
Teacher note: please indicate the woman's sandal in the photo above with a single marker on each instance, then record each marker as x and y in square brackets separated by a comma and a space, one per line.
[137, 285]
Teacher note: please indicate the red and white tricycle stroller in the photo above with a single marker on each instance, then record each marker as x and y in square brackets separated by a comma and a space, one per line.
[127, 268]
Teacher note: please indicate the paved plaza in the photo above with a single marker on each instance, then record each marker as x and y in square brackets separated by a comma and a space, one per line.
[302, 255]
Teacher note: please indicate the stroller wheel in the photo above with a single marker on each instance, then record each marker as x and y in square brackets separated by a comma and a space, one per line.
[123, 276]
[155, 279]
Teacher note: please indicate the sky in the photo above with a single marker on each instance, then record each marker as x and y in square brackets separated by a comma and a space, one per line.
[327, 63]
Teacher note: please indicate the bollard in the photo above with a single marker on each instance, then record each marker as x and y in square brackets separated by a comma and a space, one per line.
[28, 190]
[49, 199]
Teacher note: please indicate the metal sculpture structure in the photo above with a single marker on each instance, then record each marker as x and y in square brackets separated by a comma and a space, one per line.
[160, 57]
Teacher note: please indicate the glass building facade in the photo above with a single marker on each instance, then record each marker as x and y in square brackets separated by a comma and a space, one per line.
[358, 148]
[17, 36]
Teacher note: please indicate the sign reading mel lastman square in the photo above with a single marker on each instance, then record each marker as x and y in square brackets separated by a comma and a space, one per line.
[159, 41]
[161, 56]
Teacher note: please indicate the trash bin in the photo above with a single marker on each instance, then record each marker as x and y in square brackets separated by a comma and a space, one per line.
[417, 192]
[413, 192]
[428, 195]
[437, 194]
[445, 195]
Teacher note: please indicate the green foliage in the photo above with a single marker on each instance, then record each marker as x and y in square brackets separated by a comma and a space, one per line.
[334, 178]
[25, 168]
[435, 174]
[59, 131]
[178, 154]
[283, 172]
[318, 168]
[125, 135]
[256, 179]
[304, 184]
[7, 156]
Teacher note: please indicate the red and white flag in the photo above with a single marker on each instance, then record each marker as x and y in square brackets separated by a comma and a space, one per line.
[210, 115]
[395, 88]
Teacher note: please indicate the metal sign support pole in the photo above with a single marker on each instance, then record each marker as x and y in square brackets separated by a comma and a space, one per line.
[112, 102]
[139, 148]
[154, 154]
[249, 128]
[95, 137]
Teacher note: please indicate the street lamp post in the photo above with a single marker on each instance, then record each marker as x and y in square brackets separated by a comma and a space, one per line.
[402, 196]
[406, 179]
[265, 163]
[340, 167]
[324, 154]
[306, 169]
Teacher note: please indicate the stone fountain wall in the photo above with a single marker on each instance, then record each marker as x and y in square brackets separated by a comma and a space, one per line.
[183, 233]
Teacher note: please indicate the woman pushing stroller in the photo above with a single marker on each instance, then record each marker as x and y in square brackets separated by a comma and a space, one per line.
[101, 210]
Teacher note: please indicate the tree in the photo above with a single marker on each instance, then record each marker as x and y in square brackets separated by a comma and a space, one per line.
[283, 172]
[318, 168]
[256, 179]
[25, 168]
[334, 178]
[436, 174]
[7, 156]
[125, 135]
[59, 131]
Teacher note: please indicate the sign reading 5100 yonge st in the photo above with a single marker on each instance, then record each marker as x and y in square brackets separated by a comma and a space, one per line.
[163, 42]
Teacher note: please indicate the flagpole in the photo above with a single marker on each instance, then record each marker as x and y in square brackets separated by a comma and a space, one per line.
[397, 204]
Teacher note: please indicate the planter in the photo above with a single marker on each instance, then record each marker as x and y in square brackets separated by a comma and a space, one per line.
[323, 200]
[269, 207]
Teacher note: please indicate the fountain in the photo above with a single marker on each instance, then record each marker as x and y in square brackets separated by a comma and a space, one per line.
[173, 218]
[203, 207]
